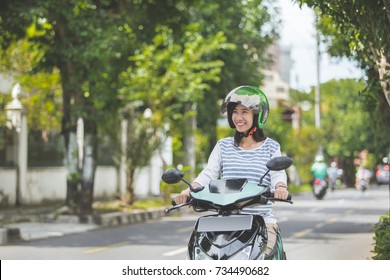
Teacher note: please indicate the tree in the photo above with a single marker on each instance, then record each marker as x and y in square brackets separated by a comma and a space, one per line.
[252, 27]
[88, 42]
[41, 90]
[165, 77]
[360, 30]
[340, 105]
[82, 39]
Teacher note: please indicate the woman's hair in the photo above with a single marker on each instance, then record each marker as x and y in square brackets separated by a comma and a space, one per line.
[258, 135]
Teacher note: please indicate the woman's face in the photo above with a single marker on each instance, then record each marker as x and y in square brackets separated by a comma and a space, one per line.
[242, 118]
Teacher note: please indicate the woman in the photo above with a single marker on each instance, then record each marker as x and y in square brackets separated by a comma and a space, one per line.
[245, 155]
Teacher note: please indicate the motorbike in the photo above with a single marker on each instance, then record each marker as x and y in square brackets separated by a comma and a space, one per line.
[319, 188]
[230, 234]
[363, 177]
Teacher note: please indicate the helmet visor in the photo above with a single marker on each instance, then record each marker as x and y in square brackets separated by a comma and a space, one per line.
[246, 96]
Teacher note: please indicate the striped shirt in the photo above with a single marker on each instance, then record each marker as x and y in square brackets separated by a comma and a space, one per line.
[227, 161]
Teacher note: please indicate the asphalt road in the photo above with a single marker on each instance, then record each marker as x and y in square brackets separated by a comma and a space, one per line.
[339, 227]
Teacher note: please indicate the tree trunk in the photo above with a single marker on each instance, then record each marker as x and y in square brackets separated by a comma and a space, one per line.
[88, 175]
[130, 188]
[384, 74]
[70, 137]
[189, 140]
[71, 164]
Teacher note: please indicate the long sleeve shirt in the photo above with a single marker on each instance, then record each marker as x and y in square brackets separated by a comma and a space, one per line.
[228, 161]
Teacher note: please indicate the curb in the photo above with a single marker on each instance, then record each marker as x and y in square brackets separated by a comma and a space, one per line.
[13, 233]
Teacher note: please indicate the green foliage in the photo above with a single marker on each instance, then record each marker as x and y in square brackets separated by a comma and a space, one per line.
[346, 129]
[118, 206]
[41, 91]
[382, 239]
[251, 26]
[167, 75]
[360, 30]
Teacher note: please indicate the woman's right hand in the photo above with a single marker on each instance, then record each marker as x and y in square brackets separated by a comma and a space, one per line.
[182, 197]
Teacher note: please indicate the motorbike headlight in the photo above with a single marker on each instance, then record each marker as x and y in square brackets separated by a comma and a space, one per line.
[244, 254]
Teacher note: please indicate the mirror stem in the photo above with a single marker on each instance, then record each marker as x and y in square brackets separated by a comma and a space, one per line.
[195, 190]
[261, 179]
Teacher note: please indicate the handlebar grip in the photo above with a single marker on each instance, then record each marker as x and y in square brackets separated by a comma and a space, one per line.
[173, 202]
[271, 197]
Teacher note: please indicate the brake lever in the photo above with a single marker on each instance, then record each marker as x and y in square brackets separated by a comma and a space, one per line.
[177, 206]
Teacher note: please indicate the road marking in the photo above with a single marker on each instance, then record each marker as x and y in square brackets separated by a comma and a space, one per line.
[175, 252]
[282, 219]
[332, 220]
[320, 225]
[103, 248]
[302, 233]
[185, 229]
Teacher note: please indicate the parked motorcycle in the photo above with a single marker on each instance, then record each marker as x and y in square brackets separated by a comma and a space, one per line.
[230, 235]
[319, 188]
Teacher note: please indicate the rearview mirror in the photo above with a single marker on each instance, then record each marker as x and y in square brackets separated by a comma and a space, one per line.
[279, 163]
[172, 176]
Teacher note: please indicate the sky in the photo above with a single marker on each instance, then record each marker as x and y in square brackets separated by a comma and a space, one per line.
[298, 33]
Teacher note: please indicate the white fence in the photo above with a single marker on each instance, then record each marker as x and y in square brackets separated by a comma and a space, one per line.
[49, 184]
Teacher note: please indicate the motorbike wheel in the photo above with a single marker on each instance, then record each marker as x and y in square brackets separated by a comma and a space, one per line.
[320, 195]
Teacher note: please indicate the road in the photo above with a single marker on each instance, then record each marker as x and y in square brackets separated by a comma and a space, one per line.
[339, 227]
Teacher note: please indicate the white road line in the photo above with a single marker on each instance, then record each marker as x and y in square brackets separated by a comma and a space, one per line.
[175, 252]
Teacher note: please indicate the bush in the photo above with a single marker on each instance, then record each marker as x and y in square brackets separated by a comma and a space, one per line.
[382, 239]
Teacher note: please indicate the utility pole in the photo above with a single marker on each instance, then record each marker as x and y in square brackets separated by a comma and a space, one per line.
[317, 97]
[317, 93]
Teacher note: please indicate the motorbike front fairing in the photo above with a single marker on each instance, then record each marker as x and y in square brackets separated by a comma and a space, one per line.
[228, 235]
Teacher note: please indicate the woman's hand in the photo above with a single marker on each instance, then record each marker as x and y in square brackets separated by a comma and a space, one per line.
[182, 197]
[281, 191]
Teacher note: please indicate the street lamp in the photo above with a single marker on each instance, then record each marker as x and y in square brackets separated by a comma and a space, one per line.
[14, 110]
[16, 119]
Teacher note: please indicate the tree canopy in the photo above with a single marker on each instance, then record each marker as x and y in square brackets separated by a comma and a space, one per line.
[360, 30]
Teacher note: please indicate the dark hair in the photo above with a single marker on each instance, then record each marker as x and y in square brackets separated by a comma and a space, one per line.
[258, 135]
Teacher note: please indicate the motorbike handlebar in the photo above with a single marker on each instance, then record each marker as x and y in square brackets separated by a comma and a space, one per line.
[173, 202]
[269, 196]
[288, 200]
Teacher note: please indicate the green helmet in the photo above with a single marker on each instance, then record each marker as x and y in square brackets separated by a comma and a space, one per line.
[250, 97]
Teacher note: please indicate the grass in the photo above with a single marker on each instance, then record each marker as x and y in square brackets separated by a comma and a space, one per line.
[119, 206]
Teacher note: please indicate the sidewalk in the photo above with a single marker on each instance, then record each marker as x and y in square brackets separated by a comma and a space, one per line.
[25, 224]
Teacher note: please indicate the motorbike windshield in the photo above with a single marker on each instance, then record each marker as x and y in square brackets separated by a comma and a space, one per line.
[226, 186]
[228, 192]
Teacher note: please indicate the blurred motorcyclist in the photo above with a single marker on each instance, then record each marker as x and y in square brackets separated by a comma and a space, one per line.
[363, 177]
[333, 173]
[319, 168]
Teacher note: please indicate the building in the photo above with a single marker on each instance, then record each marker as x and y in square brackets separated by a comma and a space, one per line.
[277, 77]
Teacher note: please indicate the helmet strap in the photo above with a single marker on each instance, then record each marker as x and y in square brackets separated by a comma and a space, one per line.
[249, 132]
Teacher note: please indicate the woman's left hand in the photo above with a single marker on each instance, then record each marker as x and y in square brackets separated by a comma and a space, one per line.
[281, 192]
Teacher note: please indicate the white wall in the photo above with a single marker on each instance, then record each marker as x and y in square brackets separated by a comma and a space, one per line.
[49, 184]
[7, 186]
